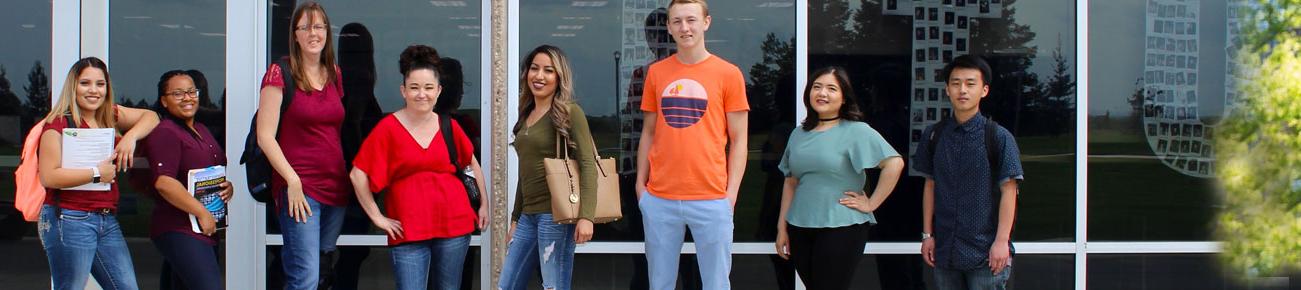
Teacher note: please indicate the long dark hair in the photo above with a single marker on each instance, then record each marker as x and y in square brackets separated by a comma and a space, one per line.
[560, 100]
[848, 110]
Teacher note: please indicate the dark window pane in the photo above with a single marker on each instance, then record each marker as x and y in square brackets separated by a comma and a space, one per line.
[894, 54]
[1173, 271]
[1151, 118]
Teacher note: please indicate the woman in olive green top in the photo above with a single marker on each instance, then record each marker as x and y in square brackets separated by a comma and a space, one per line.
[825, 214]
[547, 99]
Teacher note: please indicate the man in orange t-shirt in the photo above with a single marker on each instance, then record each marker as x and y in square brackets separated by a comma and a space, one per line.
[692, 152]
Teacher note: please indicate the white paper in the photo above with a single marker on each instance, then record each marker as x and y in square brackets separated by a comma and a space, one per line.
[85, 148]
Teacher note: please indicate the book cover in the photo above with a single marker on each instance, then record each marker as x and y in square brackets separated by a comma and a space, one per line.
[205, 184]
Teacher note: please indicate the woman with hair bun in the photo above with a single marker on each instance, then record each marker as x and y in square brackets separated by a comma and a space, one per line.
[427, 215]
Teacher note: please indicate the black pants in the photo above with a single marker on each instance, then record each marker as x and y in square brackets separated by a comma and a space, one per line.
[826, 258]
[188, 263]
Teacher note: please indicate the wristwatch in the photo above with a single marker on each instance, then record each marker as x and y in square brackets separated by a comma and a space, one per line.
[926, 235]
[94, 175]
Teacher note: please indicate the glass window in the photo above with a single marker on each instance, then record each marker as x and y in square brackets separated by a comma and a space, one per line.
[610, 44]
[1151, 117]
[894, 52]
[25, 74]
[147, 39]
[1172, 271]
[369, 37]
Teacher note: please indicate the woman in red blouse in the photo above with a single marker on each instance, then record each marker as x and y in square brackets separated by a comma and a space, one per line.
[79, 228]
[427, 214]
[304, 148]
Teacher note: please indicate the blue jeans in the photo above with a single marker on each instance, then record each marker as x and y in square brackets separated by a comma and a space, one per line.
[414, 261]
[78, 243]
[975, 279]
[304, 242]
[188, 263]
[534, 234]
[711, 226]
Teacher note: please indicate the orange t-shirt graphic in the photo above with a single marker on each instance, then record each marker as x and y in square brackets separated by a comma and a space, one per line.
[688, 153]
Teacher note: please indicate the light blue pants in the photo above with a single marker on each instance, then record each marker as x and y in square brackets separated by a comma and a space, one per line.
[711, 226]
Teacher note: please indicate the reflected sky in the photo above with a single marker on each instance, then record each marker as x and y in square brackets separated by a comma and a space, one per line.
[1117, 39]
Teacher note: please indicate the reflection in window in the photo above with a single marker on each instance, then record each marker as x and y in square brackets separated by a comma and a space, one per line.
[1153, 113]
[370, 36]
[24, 97]
[895, 52]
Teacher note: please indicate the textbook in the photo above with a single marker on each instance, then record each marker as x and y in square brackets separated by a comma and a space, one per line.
[205, 184]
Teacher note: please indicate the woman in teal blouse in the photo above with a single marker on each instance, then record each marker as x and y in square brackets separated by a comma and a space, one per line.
[825, 214]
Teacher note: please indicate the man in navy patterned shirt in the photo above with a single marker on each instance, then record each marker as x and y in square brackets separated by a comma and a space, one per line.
[968, 205]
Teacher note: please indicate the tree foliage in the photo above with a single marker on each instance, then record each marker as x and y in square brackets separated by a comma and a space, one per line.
[1258, 161]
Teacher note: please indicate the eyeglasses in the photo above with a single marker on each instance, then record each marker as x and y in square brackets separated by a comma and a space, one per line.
[313, 27]
[179, 95]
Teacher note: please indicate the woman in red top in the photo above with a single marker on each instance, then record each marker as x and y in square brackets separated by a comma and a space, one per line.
[310, 186]
[427, 213]
[79, 228]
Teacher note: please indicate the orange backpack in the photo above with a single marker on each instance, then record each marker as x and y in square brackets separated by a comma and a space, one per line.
[30, 194]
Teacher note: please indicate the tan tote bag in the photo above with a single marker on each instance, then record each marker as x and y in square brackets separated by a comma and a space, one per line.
[563, 181]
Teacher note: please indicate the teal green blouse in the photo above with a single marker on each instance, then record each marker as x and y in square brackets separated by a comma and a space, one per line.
[827, 164]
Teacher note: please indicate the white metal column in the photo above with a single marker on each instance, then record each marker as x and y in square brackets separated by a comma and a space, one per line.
[246, 23]
[1081, 143]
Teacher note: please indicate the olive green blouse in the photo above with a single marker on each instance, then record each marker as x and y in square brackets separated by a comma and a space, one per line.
[537, 142]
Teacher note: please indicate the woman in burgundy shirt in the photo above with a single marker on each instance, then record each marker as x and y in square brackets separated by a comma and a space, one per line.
[427, 214]
[310, 186]
[179, 145]
[79, 228]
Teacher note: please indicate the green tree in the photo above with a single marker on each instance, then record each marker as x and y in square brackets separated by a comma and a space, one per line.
[1257, 146]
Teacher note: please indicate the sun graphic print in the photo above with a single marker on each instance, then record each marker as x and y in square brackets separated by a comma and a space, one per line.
[683, 103]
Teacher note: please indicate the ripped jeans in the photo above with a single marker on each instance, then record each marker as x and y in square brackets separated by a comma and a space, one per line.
[538, 240]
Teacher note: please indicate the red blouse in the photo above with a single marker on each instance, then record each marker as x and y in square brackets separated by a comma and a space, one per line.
[83, 200]
[419, 188]
[309, 138]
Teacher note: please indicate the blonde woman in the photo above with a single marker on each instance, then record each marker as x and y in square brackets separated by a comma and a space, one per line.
[79, 228]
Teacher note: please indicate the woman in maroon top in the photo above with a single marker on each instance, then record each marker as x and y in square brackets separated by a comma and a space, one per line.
[427, 214]
[179, 145]
[79, 228]
[310, 186]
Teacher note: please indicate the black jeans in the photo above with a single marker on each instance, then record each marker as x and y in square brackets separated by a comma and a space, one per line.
[826, 258]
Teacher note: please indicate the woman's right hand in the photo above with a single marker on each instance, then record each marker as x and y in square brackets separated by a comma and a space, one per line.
[297, 205]
[207, 224]
[783, 244]
[107, 170]
[390, 226]
[511, 232]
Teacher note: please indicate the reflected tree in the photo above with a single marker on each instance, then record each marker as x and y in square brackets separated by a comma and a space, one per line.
[10, 105]
[765, 77]
[38, 92]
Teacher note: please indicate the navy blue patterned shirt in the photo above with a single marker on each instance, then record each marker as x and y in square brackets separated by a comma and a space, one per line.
[964, 221]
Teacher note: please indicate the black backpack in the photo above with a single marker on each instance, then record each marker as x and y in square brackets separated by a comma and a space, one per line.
[256, 166]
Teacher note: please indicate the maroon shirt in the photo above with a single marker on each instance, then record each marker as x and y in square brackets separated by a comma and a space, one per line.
[83, 200]
[309, 138]
[173, 150]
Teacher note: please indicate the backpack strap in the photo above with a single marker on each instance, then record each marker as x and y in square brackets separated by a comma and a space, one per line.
[68, 123]
[993, 149]
[288, 91]
[445, 127]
